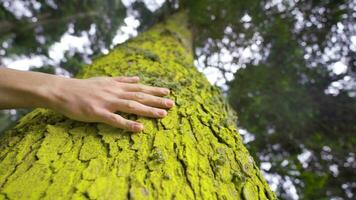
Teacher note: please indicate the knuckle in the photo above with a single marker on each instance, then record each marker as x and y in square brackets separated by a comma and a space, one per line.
[111, 118]
[112, 82]
[103, 80]
[96, 110]
[153, 111]
[162, 101]
[115, 120]
[140, 87]
[131, 104]
[139, 96]
[91, 109]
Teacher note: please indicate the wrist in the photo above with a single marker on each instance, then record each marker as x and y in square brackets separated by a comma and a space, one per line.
[49, 93]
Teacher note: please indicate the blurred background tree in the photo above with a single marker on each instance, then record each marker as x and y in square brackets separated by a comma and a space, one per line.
[288, 67]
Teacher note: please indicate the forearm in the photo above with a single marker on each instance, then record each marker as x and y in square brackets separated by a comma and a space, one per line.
[89, 100]
[19, 89]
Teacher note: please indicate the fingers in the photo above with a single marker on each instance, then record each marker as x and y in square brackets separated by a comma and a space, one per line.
[148, 99]
[134, 98]
[157, 91]
[134, 107]
[120, 122]
[125, 79]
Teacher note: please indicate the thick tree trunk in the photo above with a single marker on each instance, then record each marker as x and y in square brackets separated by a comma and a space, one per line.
[193, 153]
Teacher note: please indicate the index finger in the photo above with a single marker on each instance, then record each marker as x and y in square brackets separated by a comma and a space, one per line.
[127, 79]
[157, 91]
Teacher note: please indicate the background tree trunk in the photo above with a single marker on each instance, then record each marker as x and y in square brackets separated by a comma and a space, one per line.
[193, 153]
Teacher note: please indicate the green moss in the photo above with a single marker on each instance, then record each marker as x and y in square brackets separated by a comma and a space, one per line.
[157, 156]
[193, 153]
[97, 168]
[31, 185]
[136, 52]
[250, 191]
[107, 187]
[53, 144]
[92, 148]
[61, 185]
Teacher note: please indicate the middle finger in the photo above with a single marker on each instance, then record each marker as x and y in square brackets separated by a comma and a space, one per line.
[157, 91]
[147, 99]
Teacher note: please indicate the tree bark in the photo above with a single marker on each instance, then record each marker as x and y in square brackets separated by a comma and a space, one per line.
[193, 153]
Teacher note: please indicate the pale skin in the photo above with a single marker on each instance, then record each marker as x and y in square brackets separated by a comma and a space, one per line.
[88, 100]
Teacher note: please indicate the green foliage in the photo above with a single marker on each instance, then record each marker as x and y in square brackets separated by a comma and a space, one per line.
[52, 21]
[282, 101]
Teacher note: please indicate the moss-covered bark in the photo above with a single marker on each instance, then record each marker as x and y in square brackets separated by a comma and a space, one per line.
[193, 153]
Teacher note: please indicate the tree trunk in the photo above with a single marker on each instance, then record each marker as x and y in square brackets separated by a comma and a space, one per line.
[193, 153]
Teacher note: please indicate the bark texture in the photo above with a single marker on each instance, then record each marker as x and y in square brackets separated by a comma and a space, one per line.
[193, 153]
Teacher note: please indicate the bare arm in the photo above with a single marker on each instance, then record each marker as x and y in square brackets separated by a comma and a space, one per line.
[88, 100]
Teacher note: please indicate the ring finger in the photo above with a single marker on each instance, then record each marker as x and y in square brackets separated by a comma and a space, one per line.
[148, 99]
[134, 107]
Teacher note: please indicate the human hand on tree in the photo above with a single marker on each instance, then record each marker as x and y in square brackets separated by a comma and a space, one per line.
[97, 100]
[89, 100]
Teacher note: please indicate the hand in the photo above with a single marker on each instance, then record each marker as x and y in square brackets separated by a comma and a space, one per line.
[97, 100]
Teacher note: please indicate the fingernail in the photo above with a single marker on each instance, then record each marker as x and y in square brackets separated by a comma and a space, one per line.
[165, 91]
[136, 77]
[162, 113]
[169, 103]
[137, 127]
